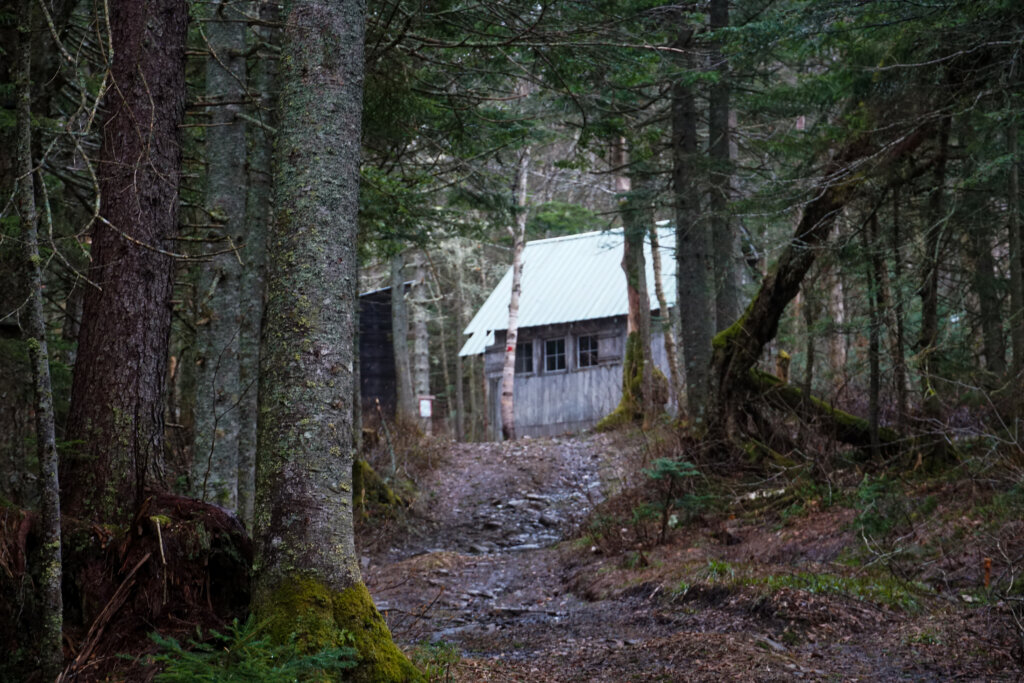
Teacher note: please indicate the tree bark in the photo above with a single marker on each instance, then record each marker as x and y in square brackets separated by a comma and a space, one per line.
[258, 207]
[420, 339]
[116, 414]
[694, 257]
[460, 324]
[898, 341]
[666, 320]
[928, 338]
[49, 644]
[405, 404]
[738, 347]
[218, 381]
[837, 345]
[986, 286]
[639, 397]
[875, 306]
[1016, 242]
[508, 371]
[307, 583]
[724, 233]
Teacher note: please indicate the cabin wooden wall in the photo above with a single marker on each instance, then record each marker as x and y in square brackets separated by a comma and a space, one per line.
[570, 400]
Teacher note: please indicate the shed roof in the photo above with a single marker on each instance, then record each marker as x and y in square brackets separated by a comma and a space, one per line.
[567, 279]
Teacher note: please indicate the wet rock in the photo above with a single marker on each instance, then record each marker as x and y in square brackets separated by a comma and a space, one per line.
[477, 548]
[523, 546]
[548, 519]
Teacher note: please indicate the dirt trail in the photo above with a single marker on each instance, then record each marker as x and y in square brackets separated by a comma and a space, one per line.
[480, 567]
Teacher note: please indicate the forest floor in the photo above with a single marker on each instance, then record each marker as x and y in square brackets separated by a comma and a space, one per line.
[524, 562]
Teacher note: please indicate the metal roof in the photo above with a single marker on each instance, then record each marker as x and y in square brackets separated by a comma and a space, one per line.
[566, 279]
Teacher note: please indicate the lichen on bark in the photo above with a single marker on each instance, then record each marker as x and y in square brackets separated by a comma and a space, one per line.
[307, 578]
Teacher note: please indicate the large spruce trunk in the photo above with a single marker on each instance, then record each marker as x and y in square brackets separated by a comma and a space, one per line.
[694, 258]
[307, 580]
[116, 416]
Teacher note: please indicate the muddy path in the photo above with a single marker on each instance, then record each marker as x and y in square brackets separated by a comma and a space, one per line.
[487, 564]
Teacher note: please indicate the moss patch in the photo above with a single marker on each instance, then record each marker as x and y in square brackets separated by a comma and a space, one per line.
[370, 491]
[318, 618]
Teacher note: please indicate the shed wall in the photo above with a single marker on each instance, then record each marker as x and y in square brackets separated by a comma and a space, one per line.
[566, 401]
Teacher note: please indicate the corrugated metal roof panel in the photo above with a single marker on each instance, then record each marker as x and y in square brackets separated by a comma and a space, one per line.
[566, 279]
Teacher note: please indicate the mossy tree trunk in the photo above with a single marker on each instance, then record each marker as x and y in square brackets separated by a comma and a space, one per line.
[116, 415]
[738, 347]
[218, 332]
[49, 645]
[307, 579]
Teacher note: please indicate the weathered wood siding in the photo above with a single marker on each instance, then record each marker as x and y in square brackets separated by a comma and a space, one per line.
[570, 400]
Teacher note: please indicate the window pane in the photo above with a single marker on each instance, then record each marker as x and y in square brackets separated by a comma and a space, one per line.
[587, 356]
[524, 357]
[554, 355]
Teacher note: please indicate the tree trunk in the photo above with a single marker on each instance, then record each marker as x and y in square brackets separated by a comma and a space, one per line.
[49, 644]
[420, 339]
[929, 292]
[694, 257]
[307, 583]
[218, 382]
[460, 324]
[837, 331]
[405, 404]
[987, 288]
[724, 232]
[1014, 226]
[898, 341]
[639, 397]
[116, 413]
[666, 321]
[875, 306]
[738, 347]
[508, 371]
[261, 148]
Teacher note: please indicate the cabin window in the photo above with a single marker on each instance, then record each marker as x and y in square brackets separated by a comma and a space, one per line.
[554, 355]
[524, 358]
[586, 351]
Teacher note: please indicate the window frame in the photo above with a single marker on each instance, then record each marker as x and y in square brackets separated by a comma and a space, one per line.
[555, 355]
[521, 358]
[592, 353]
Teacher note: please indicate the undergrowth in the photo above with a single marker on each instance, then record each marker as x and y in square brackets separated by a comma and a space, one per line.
[244, 654]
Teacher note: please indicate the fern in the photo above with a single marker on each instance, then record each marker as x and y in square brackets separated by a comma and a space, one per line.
[245, 655]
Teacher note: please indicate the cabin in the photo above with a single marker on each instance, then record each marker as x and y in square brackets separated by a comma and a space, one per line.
[572, 331]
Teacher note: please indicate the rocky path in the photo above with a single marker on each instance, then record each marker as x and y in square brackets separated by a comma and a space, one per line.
[481, 566]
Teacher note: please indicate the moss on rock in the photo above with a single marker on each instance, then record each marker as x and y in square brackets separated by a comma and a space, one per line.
[318, 618]
[370, 492]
